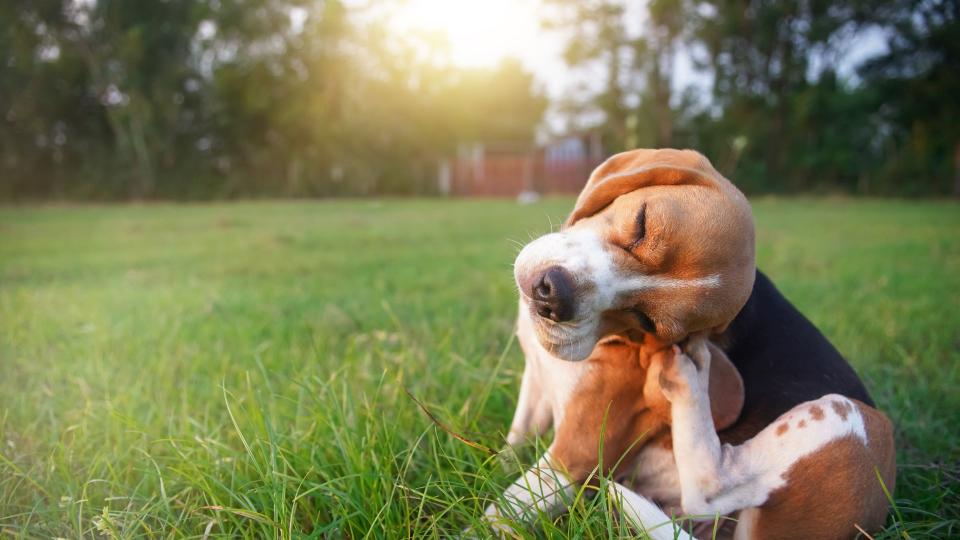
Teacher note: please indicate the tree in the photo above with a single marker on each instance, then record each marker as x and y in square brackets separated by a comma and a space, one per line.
[917, 85]
[656, 53]
[595, 34]
[760, 54]
[637, 99]
[214, 98]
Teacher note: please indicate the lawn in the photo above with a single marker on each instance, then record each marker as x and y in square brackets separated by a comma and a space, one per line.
[238, 370]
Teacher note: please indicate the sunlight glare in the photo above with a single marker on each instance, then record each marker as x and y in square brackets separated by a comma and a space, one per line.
[480, 33]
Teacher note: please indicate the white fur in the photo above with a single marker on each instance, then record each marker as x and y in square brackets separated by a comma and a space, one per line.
[746, 523]
[540, 489]
[655, 475]
[546, 386]
[658, 282]
[645, 515]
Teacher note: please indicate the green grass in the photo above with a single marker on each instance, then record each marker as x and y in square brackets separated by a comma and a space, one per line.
[238, 369]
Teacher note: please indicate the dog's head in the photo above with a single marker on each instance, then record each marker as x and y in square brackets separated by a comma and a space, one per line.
[659, 243]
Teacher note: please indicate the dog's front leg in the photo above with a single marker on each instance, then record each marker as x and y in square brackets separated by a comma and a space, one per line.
[545, 489]
[645, 515]
[533, 414]
[542, 489]
[713, 478]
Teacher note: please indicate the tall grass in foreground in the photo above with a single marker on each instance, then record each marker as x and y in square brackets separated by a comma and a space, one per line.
[239, 370]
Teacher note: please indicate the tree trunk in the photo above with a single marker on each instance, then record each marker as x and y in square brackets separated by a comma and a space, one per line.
[956, 169]
[616, 116]
[660, 83]
[140, 150]
[127, 129]
[778, 135]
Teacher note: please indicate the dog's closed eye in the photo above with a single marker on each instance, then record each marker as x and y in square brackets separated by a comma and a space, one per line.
[640, 230]
[646, 323]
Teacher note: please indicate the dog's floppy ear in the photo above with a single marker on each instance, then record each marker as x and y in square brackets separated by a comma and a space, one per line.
[635, 169]
[726, 389]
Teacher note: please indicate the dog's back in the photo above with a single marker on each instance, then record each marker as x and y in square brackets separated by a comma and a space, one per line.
[784, 361]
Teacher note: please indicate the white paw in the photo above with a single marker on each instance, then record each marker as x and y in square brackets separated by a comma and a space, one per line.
[678, 374]
[497, 523]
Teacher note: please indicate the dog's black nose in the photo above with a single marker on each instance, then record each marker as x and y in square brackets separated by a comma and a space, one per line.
[552, 295]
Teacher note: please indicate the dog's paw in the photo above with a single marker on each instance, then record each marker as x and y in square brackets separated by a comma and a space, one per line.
[497, 525]
[685, 371]
[696, 350]
[677, 373]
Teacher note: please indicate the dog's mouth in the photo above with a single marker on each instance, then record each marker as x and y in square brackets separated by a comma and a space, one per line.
[571, 351]
[570, 340]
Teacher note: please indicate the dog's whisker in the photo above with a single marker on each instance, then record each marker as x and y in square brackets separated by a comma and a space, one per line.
[516, 242]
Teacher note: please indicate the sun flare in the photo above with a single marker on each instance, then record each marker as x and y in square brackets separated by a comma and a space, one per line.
[479, 33]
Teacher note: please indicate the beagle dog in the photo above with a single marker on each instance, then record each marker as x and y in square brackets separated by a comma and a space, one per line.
[756, 417]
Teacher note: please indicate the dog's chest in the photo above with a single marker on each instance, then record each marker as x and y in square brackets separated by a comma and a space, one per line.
[653, 471]
[558, 381]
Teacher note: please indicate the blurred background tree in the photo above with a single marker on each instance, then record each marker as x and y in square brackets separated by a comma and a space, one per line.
[223, 98]
[915, 93]
[111, 99]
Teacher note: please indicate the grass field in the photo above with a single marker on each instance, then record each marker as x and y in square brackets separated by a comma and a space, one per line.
[237, 370]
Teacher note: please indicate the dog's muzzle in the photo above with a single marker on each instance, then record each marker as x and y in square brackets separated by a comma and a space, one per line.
[556, 276]
[551, 293]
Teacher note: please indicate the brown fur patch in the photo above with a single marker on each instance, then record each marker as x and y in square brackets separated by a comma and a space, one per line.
[802, 424]
[842, 408]
[614, 399]
[782, 428]
[816, 413]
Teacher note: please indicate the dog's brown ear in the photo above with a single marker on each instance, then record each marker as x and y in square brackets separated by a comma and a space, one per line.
[635, 169]
[726, 389]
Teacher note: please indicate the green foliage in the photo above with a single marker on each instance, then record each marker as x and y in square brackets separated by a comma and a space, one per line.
[239, 370]
[118, 99]
[221, 98]
[778, 118]
[917, 84]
